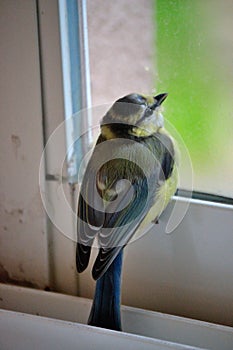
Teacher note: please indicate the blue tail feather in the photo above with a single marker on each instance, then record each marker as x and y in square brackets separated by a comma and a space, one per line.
[105, 310]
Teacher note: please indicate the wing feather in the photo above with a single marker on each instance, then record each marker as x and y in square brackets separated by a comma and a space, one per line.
[116, 196]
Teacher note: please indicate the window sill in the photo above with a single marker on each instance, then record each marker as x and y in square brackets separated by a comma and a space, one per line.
[54, 319]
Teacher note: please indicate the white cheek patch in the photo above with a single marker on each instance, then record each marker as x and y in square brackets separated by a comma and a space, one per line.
[159, 119]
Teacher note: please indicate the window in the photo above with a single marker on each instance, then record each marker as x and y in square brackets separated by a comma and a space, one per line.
[169, 46]
[128, 53]
[188, 272]
[183, 48]
[76, 79]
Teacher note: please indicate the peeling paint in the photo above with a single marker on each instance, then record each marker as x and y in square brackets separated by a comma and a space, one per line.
[32, 210]
[16, 143]
[19, 213]
[21, 269]
[5, 278]
[21, 216]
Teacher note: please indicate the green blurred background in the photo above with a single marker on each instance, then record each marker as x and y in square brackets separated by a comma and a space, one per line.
[194, 63]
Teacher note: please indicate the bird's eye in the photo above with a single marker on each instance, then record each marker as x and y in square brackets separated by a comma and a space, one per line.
[148, 112]
[140, 100]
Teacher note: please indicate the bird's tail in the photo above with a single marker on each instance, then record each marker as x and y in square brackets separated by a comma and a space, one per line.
[105, 310]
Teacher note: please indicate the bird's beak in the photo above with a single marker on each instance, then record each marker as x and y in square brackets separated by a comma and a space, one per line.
[158, 100]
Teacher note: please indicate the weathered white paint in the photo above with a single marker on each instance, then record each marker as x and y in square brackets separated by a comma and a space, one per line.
[186, 273]
[31, 92]
[63, 276]
[23, 248]
[147, 324]
[50, 334]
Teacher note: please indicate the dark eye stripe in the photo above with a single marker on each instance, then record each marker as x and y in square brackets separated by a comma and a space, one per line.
[147, 113]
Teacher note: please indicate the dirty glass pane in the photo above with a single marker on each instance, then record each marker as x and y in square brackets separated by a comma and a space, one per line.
[194, 54]
[182, 47]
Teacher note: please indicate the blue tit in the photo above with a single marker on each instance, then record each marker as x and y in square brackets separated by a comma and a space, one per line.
[128, 182]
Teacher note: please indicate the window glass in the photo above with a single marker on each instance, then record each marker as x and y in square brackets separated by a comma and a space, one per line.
[194, 60]
[182, 47]
[121, 41]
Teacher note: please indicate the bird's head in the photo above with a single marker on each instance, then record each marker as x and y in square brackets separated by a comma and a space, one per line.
[140, 115]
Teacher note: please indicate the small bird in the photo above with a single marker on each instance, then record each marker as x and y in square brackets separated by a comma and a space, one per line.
[128, 182]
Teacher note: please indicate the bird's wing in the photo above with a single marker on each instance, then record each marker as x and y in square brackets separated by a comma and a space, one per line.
[90, 219]
[128, 203]
[114, 198]
[90, 215]
[140, 190]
